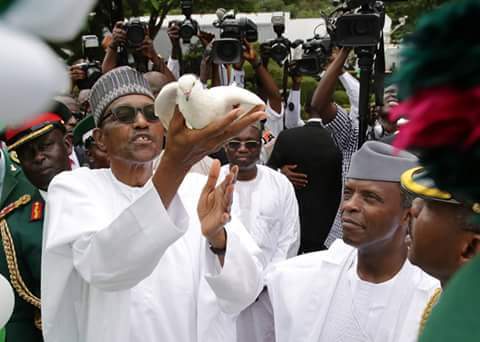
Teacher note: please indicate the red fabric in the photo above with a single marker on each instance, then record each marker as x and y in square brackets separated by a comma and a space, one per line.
[10, 133]
[439, 117]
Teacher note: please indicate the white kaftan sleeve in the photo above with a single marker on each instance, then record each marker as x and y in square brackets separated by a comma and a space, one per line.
[289, 240]
[238, 283]
[293, 110]
[274, 121]
[110, 255]
[174, 66]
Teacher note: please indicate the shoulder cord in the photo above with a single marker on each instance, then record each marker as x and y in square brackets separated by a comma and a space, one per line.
[8, 246]
[428, 309]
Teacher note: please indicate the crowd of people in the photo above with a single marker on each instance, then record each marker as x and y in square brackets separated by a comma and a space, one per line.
[268, 226]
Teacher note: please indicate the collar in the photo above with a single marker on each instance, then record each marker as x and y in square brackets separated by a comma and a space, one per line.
[315, 120]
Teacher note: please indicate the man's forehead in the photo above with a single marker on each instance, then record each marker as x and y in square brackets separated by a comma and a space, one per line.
[250, 132]
[371, 185]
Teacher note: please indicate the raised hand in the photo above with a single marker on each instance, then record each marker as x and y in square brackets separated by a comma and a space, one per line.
[215, 204]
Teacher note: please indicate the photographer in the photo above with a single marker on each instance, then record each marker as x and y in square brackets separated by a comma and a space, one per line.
[343, 127]
[145, 50]
[268, 90]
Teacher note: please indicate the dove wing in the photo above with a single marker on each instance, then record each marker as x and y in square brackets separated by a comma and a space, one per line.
[229, 97]
[165, 103]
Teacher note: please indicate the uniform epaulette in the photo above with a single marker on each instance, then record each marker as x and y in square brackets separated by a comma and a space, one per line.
[12, 206]
[11, 257]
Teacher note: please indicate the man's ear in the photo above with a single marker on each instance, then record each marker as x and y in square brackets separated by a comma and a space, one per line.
[68, 138]
[406, 217]
[98, 136]
[471, 247]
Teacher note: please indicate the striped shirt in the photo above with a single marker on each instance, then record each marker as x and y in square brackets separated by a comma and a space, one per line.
[344, 130]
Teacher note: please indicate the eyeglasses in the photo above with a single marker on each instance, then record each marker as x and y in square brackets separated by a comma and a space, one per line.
[249, 144]
[127, 114]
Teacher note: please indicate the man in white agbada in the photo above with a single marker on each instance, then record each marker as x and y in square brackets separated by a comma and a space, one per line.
[125, 256]
[363, 288]
[264, 201]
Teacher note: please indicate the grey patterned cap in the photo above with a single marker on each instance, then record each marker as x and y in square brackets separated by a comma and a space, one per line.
[378, 161]
[114, 84]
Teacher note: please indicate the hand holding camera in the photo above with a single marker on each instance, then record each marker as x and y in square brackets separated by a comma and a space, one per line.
[119, 36]
[77, 73]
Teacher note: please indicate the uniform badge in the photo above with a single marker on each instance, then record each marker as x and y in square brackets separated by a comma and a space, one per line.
[37, 211]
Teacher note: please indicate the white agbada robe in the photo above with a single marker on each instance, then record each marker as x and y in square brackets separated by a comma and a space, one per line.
[268, 209]
[317, 297]
[117, 266]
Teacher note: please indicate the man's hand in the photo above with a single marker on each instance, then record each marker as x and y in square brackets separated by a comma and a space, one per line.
[215, 204]
[148, 50]
[185, 147]
[299, 180]
[249, 54]
[173, 33]
[119, 36]
[205, 38]
[76, 73]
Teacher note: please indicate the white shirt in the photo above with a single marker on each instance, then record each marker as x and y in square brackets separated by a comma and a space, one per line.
[313, 296]
[268, 207]
[274, 121]
[293, 110]
[117, 266]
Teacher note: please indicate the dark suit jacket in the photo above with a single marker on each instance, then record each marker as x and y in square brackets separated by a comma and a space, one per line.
[312, 148]
[25, 226]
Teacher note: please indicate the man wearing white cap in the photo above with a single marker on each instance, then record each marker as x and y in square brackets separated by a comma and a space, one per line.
[363, 288]
[128, 252]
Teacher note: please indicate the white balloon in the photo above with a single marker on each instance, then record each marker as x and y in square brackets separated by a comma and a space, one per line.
[31, 74]
[58, 20]
[7, 301]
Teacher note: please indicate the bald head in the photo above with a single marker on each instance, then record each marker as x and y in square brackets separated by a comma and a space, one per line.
[156, 80]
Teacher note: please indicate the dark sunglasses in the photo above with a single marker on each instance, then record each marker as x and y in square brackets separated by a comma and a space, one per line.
[127, 114]
[249, 144]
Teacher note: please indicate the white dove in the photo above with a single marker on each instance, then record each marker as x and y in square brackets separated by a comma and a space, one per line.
[201, 106]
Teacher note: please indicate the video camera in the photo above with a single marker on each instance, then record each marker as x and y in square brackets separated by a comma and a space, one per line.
[359, 24]
[91, 67]
[229, 48]
[278, 48]
[135, 30]
[316, 52]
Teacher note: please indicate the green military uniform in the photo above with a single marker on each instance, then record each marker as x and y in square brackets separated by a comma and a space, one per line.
[22, 234]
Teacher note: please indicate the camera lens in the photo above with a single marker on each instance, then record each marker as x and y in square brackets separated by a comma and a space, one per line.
[227, 51]
[135, 35]
[187, 31]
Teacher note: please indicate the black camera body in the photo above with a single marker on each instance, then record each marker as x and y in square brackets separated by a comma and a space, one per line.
[360, 25]
[91, 67]
[316, 53]
[188, 27]
[229, 48]
[136, 31]
[278, 48]
[93, 71]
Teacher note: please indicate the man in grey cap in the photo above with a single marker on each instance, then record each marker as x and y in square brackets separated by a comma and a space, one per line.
[363, 288]
[132, 254]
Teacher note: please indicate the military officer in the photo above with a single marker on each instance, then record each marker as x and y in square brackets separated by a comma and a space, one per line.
[42, 151]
